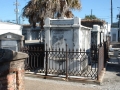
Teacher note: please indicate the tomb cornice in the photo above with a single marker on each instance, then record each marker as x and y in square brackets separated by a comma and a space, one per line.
[65, 26]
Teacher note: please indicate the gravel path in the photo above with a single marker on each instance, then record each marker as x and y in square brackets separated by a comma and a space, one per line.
[112, 77]
[40, 84]
[111, 82]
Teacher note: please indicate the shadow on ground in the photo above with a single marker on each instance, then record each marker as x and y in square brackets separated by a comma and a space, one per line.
[112, 67]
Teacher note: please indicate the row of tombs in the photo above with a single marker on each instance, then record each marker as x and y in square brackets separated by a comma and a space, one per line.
[58, 33]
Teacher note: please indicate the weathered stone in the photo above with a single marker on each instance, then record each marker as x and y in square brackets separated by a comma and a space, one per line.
[11, 41]
[7, 55]
[12, 70]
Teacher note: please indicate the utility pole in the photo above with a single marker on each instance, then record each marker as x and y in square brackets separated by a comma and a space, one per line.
[91, 17]
[16, 10]
[118, 16]
[91, 12]
[111, 12]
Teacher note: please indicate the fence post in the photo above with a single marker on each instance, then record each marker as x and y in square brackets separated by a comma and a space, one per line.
[107, 47]
[66, 63]
[98, 70]
[46, 63]
[105, 50]
[100, 39]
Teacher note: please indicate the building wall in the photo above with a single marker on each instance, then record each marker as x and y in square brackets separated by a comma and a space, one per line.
[114, 34]
[98, 35]
[61, 37]
[85, 38]
[31, 33]
[10, 27]
[12, 45]
[11, 36]
[59, 32]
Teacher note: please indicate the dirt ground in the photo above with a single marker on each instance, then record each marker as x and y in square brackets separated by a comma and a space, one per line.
[111, 81]
[35, 84]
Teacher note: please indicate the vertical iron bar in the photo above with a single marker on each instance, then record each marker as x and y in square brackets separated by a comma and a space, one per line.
[59, 58]
[62, 61]
[69, 55]
[76, 59]
[52, 59]
[100, 39]
[104, 45]
[46, 63]
[55, 58]
[28, 60]
[49, 64]
[98, 66]
[34, 66]
[66, 64]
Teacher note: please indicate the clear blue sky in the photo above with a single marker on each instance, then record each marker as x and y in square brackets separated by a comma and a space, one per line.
[100, 8]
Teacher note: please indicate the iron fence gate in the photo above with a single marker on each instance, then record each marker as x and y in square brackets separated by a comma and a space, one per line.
[36, 56]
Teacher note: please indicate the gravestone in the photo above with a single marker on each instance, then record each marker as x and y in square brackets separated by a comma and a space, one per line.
[59, 32]
[11, 41]
[95, 35]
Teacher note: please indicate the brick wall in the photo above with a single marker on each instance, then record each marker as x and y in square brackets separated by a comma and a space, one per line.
[8, 82]
[12, 75]
[12, 69]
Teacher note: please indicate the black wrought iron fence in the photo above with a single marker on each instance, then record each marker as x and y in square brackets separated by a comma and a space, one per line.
[94, 53]
[106, 50]
[62, 62]
[36, 58]
[67, 62]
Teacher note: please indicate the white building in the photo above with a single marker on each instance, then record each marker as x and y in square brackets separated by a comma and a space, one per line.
[11, 36]
[59, 32]
[114, 34]
[6, 27]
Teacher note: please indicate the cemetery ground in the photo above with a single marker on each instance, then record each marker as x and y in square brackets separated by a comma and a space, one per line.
[110, 81]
